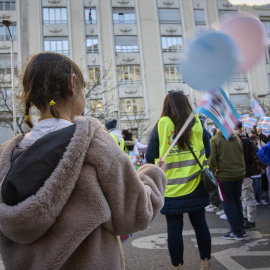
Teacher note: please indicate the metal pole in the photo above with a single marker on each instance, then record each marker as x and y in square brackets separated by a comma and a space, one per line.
[7, 23]
[117, 118]
[12, 88]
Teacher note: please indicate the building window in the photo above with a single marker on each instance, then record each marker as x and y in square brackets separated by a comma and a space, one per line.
[124, 15]
[94, 75]
[54, 16]
[96, 106]
[131, 106]
[263, 7]
[4, 34]
[5, 63]
[126, 44]
[90, 17]
[59, 45]
[169, 15]
[199, 17]
[135, 132]
[173, 74]
[129, 74]
[222, 13]
[171, 44]
[241, 77]
[7, 70]
[266, 22]
[92, 45]
[240, 100]
[7, 5]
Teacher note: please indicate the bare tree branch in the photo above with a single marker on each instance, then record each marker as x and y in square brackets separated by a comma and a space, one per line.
[6, 107]
[136, 121]
[96, 93]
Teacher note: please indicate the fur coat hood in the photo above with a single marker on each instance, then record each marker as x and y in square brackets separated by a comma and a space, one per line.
[129, 143]
[90, 198]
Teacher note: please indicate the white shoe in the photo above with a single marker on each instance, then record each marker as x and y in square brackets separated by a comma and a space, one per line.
[220, 213]
[263, 202]
[223, 217]
[257, 203]
[208, 206]
[212, 209]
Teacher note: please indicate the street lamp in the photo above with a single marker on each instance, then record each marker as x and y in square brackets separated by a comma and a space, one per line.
[8, 23]
[116, 113]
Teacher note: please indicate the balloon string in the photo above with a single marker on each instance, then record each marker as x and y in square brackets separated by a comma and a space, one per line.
[184, 127]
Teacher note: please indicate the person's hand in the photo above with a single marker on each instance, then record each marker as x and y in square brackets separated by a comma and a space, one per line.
[259, 130]
[161, 164]
[244, 132]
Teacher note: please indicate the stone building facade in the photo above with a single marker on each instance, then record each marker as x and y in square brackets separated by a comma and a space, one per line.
[129, 51]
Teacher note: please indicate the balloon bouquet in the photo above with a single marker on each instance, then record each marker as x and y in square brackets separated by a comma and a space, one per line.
[234, 47]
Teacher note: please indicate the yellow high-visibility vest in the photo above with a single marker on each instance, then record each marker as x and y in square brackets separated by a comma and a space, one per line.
[121, 144]
[182, 171]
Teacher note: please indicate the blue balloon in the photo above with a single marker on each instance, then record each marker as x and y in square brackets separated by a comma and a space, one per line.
[209, 61]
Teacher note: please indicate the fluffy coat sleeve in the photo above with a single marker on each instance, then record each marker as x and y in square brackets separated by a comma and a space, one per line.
[134, 198]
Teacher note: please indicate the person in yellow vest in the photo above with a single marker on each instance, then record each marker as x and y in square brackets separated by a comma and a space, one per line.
[185, 192]
[129, 141]
[110, 126]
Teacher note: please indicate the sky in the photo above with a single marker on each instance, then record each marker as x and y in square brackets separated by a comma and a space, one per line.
[250, 2]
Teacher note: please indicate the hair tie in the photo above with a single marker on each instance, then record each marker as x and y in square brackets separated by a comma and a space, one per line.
[52, 102]
[27, 117]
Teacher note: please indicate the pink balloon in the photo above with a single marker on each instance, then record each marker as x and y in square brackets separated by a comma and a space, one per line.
[250, 36]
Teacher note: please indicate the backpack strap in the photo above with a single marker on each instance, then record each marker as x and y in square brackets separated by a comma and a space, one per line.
[191, 150]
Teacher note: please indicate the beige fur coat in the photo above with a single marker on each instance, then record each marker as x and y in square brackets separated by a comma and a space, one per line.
[93, 195]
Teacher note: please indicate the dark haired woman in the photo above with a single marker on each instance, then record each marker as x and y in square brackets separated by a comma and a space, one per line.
[68, 190]
[129, 140]
[185, 192]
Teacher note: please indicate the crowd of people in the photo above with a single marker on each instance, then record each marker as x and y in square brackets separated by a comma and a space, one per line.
[255, 189]
[69, 188]
[125, 139]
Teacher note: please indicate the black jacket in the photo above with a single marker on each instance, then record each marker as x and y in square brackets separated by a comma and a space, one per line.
[263, 138]
[248, 150]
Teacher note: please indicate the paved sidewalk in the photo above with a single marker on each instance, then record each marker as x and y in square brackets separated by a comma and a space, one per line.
[148, 249]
